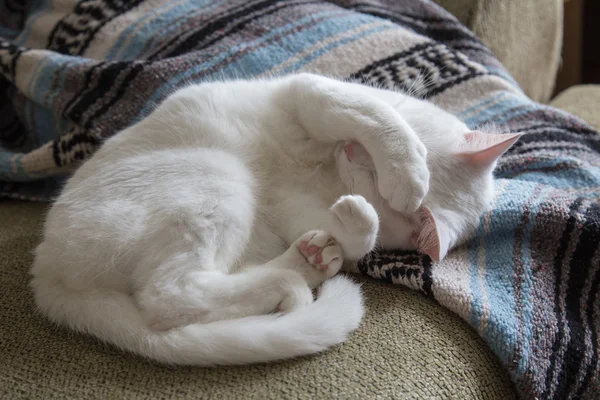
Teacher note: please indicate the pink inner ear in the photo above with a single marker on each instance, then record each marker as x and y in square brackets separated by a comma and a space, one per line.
[348, 148]
[432, 238]
[357, 153]
[483, 149]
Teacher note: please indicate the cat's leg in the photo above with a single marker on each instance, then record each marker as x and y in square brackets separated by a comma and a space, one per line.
[355, 224]
[332, 111]
[316, 256]
[352, 222]
[282, 284]
[206, 296]
[200, 296]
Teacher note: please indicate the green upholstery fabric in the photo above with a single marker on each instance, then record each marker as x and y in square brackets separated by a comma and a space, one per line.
[582, 101]
[407, 347]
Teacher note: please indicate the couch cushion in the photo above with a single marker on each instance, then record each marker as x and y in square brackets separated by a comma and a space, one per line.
[526, 36]
[407, 347]
[581, 100]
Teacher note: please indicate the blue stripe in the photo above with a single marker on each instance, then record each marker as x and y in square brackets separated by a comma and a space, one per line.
[474, 280]
[40, 117]
[316, 54]
[60, 124]
[527, 284]
[47, 58]
[481, 105]
[28, 120]
[563, 179]
[500, 112]
[156, 23]
[493, 111]
[501, 72]
[37, 10]
[8, 33]
[525, 108]
[263, 59]
[45, 123]
[290, 46]
[56, 63]
[57, 124]
[501, 330]
[6, 167]
[33, 121]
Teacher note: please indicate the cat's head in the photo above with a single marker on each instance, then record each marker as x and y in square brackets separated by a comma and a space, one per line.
[461, 189]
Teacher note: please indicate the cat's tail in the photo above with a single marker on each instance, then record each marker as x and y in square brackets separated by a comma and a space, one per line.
[113, 317]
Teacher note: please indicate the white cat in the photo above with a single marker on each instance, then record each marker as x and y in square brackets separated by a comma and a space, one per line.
[194, 236]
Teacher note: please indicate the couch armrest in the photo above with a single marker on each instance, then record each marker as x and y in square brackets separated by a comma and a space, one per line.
[582, 101]
[526, 36]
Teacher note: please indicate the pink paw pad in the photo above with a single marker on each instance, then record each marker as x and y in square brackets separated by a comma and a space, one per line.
[315, 251]
[303, 246]
[318, 259]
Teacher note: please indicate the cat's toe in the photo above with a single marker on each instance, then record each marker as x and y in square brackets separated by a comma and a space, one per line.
[330, 260]
[355, 224]
[405, 189]
[321, 251]
[356, 215]
[403, 178]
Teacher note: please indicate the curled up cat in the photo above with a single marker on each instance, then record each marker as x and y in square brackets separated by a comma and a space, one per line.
[196, 235]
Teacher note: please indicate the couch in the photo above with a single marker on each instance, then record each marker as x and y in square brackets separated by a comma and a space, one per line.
[408, 346]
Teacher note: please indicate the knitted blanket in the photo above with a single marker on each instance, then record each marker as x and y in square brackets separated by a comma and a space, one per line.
[74, 73]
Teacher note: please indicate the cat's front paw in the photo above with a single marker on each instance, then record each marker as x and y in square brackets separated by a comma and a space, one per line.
[355, 224]
[323, 256]
[405, 179]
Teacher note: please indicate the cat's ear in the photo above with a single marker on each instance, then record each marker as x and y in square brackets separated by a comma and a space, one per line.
[357, 153]
[433, 237]
[483, 149]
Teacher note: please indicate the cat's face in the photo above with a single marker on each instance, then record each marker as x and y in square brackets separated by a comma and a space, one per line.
[461, 189]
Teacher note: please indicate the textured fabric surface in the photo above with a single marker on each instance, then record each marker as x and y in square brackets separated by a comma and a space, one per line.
[583, 101]
[463, 10]
[527, 282]
[408, 347]
[526, 36]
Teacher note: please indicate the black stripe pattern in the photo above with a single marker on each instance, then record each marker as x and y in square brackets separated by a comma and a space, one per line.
[74, 33]
[427, 69]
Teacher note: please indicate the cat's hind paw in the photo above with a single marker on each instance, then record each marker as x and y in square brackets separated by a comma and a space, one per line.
[321, 251]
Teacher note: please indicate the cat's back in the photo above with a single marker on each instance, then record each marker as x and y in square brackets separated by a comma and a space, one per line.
[112, 216]
[217, 115]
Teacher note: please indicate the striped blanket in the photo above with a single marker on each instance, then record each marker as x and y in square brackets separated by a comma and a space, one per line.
[74, 73]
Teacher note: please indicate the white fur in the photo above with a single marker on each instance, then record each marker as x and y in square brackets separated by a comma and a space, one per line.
[183, 234]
